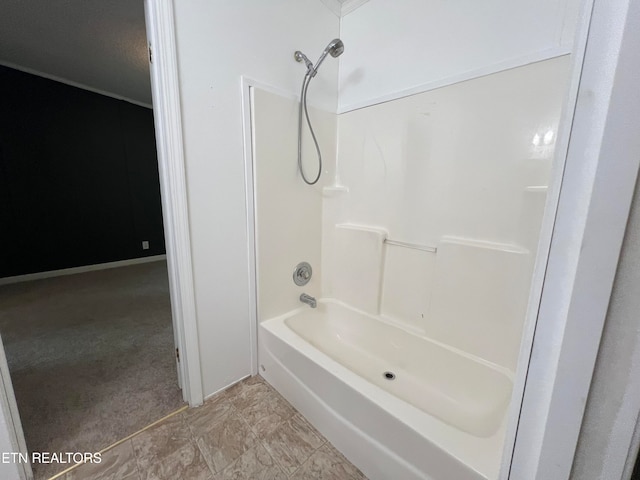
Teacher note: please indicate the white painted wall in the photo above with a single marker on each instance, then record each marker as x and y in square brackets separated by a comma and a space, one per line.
[217, 42]
[288, 211]
[414, 44]
[453, 168]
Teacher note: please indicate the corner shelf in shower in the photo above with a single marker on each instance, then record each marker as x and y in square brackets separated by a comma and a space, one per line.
[333, 190]
[536, 189]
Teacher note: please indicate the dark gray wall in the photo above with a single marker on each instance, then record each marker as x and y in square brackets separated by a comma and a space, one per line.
[78, 177]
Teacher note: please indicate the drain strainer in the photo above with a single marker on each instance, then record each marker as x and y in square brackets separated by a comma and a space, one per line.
[389, 375]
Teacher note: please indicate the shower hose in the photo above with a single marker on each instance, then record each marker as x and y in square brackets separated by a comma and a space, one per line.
[303, 106]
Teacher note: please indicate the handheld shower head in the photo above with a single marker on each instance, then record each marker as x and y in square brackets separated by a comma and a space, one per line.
[335, 49]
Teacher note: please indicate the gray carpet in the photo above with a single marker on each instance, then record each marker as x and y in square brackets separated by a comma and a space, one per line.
[91, 357]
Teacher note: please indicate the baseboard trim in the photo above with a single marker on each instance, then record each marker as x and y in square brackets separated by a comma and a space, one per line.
[86, 268]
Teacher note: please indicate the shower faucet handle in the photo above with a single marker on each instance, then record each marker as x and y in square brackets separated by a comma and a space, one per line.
[302, 274]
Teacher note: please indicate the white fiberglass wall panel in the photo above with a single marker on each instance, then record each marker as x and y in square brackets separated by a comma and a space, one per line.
[288, 211]
[461, 170]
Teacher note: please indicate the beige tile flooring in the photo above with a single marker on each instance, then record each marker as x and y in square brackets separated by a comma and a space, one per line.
[248, 431]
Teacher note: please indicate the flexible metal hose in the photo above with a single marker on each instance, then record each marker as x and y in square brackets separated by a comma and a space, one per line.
[303, 106]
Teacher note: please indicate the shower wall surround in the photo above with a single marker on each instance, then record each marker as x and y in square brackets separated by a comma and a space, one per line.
[288, 212]
[426, 217]
[461, 172]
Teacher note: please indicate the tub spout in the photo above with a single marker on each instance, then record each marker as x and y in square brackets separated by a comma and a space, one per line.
[308, 299]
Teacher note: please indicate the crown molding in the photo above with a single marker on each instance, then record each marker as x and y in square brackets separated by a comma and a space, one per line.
[334, 5]
[342, 8]
[349, 6]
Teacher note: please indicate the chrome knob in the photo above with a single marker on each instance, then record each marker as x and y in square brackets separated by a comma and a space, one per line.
[302, 274]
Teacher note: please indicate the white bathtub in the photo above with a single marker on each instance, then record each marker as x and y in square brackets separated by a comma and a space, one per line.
[441, 418]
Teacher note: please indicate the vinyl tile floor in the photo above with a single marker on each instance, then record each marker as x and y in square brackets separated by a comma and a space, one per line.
[248, 431]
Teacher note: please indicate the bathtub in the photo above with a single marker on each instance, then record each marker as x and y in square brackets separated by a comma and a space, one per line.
[396, 404]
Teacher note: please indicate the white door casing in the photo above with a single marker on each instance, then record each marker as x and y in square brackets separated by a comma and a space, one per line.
[597, 189]
[168, 124]
[167, 118]
[11, 434]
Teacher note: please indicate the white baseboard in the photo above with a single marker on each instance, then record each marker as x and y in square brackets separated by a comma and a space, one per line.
[83, 269]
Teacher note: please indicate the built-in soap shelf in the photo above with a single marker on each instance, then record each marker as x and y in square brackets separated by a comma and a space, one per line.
[333, 190]
[381, 232]
[536, 189]
[485, 245]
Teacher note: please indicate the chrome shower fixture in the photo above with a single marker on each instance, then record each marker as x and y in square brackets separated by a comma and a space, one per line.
[299, 56]
[335, 49]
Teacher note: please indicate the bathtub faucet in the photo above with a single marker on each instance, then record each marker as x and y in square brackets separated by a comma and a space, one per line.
[308, 299]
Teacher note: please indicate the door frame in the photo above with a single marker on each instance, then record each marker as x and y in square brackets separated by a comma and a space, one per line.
[598, 182]
[165, 88]
[10, 425]
[159, 21]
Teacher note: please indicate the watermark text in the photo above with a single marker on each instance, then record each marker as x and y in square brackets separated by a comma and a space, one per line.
[51, 457]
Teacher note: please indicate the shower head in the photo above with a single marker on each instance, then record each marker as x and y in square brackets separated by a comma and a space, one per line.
[335, 49]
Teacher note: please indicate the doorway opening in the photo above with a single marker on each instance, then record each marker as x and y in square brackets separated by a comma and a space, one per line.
[88, 312]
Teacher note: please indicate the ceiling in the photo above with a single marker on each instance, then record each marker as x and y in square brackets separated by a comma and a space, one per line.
[100, 44]
[96, 43]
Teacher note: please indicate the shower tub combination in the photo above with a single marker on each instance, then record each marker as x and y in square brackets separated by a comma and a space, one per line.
[396, 404]
[406, 363]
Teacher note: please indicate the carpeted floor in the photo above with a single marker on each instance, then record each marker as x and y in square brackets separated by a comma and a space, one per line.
[91, 357]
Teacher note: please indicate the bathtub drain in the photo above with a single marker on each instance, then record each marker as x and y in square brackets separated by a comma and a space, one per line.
[389, 375]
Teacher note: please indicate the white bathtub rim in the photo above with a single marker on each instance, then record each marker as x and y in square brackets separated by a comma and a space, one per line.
[510, 374]
[369, 347]
[347, 424]
[413, 418]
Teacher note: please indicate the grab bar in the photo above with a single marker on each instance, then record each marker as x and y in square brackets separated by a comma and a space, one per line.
[415, 246]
